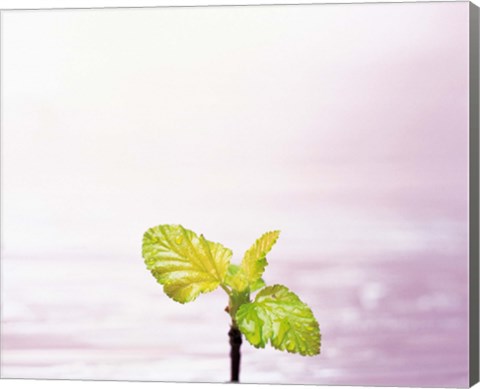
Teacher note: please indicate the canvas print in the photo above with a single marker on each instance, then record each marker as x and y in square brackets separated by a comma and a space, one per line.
[258, 194]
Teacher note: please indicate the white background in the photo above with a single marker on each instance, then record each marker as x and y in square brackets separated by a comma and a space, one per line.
[9, 4]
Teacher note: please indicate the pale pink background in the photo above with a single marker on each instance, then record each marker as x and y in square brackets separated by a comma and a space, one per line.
[345, 126]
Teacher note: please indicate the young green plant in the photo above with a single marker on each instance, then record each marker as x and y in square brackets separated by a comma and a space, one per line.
[187, 264]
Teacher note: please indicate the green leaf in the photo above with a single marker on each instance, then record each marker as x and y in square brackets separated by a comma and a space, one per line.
[183, 262]
[279, 316]
[257, 285]
[255, 258]
[235, 278]
[248, 274]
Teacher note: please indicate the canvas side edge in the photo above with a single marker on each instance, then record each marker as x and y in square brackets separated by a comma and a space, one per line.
[1, 188]
[474, 194]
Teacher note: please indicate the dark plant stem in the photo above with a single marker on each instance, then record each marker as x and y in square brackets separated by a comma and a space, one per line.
[235, 343]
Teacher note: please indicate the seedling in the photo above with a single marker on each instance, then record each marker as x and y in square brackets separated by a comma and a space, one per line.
[187, 264]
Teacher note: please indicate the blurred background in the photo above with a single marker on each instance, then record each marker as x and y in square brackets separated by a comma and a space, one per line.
[344, 126]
